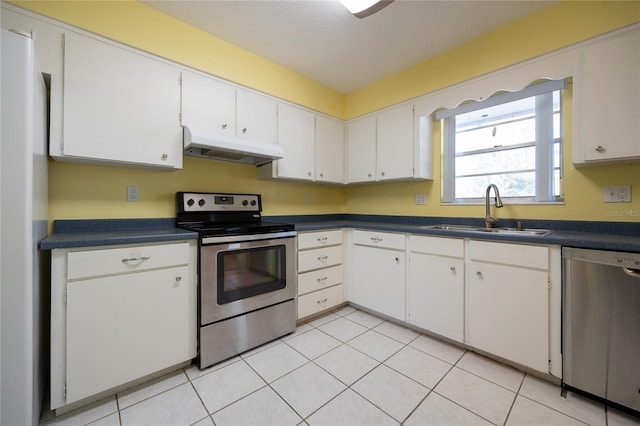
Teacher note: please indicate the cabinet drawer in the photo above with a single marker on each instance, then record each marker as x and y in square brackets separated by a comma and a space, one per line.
[319, 258]
[452, 247]
[92, 263]
[510, 254]
[319, 239]
[379, 239]
[318, 301]
[317, 280]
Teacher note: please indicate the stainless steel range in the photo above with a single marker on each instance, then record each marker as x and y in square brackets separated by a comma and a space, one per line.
[247, 273]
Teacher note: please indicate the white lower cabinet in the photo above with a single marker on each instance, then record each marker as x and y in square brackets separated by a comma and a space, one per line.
[435, 288]
[131, 315]
[378, 272]
[507, 302]
[320, 271]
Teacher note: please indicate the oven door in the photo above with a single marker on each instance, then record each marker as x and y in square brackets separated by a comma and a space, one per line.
[240, 274]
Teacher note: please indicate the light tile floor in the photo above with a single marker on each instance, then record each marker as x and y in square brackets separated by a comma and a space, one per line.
[348, 368]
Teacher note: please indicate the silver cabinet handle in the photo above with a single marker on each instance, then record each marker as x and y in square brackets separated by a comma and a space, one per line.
[322, 239]
[599, 148]
[376, 239]
[323, 280]
[165, 156]
[321, 301]
[323, 258]
[135, 259]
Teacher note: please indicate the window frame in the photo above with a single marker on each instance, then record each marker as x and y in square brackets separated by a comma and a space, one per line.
[544, 143]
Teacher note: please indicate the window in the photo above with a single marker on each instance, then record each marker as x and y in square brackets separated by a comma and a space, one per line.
[512, 140]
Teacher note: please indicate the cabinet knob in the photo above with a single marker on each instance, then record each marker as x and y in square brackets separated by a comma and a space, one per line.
[599, 148]
[308, 173]
[452, 268]
[224, 125]
[369, 175]
[382, 173]
[321, 174]
[397, 260]
[165, 156]
[479, 274]
[244, 130]
[178, 279]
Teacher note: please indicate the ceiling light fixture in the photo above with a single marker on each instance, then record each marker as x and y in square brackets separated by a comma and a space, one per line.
[364, 8]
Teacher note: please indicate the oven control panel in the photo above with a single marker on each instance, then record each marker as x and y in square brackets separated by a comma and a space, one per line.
[217, 202]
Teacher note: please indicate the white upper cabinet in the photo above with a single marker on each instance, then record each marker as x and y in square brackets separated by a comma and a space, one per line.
[211, 107]
[256, 116]
[120, 106]
[296, 128]
[313, 147]
[208, 105]
[361, 150]
[395, 143]
[329, 150]
[606, 101]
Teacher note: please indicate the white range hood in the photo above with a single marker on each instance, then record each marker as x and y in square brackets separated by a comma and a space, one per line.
[223, 148]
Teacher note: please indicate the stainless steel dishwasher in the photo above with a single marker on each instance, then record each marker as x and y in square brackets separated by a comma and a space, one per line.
[601, 325]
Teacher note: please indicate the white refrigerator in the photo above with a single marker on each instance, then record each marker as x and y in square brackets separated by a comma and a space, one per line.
[24, 277]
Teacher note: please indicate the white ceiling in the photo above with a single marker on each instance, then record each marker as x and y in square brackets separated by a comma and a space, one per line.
[323, 41]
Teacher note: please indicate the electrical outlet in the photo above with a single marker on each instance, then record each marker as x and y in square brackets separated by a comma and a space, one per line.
[617, 194]
[132, 193]
[307, 199]
[421, 199]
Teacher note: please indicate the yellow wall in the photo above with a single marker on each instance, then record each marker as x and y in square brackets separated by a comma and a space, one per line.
[81, 191]
[549, 29]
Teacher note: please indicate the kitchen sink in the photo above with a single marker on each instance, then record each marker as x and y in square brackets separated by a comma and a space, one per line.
[480, 229]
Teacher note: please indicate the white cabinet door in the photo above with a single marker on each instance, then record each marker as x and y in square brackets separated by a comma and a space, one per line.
[119, 105]
[435, 294]
[395, 143]
[379, 280]
[607, 100]
[329, 150]
[124, 327]
[296, 134]
[208, 105]
[508, 312]
[361, 150]
[256, 117]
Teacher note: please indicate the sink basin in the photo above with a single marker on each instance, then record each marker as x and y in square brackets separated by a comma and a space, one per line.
[479, 229]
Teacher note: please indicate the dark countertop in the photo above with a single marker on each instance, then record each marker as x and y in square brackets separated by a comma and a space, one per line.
[105, 232]
[614, 236]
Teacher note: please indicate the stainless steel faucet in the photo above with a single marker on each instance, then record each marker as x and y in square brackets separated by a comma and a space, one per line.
[489, 221]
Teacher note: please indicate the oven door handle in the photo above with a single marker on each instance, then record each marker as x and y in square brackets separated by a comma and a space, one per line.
[253, 237]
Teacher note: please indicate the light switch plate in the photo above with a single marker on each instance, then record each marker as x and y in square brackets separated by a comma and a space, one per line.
[132, 193]
[421, 199]
[617, 194]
